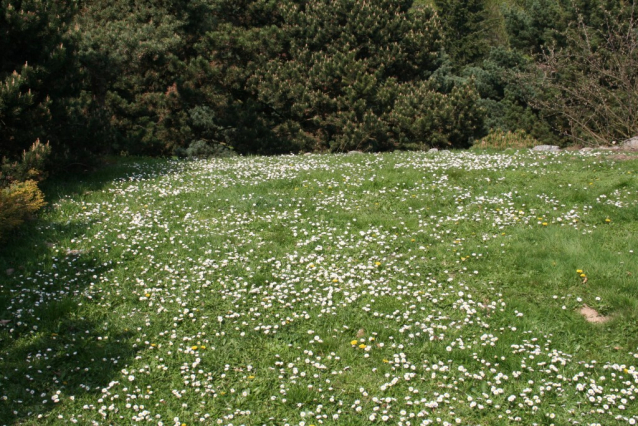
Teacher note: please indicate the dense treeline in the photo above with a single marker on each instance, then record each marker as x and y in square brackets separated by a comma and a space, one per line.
[261, 76]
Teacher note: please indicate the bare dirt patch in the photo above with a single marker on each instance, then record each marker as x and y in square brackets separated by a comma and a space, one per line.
[591, 315]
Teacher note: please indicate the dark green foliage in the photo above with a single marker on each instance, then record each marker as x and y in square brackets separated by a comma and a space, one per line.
[582, 78]
[505, 96]
[467, 29]
[535, 24]
[132, 53]
[31, 165]
[37, 73]
[427, 118]
[242, 37]
[266, 76]
[351, 74]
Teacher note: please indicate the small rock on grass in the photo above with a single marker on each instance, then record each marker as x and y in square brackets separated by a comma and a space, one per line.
[630, 143]
[10, 271]
[544, 148]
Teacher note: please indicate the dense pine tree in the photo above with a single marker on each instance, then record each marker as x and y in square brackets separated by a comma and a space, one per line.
[37, 73]
[266, 76]
[466, 26]
[348, 71]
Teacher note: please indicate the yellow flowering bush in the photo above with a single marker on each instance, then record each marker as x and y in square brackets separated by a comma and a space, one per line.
[18, 202]
[20, 196]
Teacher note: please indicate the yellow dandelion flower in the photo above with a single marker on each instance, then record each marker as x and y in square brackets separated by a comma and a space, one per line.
[583, 275]
[354, 342]
[579, 271]
[362, 346]
[377, 263]
[194, 347]
[385, 361]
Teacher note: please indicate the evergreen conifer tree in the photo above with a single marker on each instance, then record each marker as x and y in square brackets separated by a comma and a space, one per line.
[348, 71]
[37, 72]
[467, 29]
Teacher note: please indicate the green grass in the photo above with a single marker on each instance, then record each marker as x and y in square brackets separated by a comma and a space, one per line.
[231, 291]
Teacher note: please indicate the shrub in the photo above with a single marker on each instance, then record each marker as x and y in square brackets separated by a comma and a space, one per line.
[500, 139]
[38, 74]
[18, 202]
[31, 166]
[425, 118]
[20, 196]
[202, 149]
[465, 24]
[357, 75]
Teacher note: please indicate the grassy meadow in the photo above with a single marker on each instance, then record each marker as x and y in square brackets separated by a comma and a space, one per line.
[405, 289]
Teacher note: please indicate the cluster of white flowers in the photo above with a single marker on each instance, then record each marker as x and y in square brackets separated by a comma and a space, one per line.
[307, 290]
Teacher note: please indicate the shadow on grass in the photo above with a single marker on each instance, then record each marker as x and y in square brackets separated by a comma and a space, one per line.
[32, 241]
[53, 336]
[54, 340]
[79, 183]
